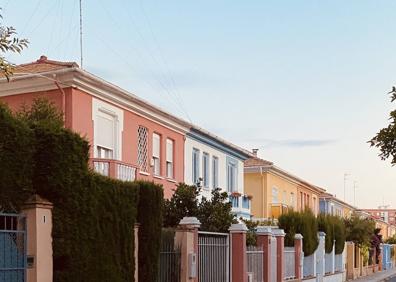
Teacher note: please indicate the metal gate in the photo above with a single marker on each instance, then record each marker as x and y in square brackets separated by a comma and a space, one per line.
[213, 256]
[12, 248]
[170, 260]
[255, 263]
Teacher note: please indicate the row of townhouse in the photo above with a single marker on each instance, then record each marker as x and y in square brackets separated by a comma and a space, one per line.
[129, 137]
[133, 139]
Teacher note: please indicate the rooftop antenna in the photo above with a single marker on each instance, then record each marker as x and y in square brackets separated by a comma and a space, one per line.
[81, 36]
[354, 192]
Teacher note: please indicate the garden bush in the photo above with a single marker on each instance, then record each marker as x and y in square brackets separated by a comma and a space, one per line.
[304, 223]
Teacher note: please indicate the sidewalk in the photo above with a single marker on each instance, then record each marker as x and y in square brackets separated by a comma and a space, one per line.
[379, 276]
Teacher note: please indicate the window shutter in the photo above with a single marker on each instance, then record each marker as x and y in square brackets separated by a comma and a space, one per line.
[156, 145]
[169, 150]
[105, 132]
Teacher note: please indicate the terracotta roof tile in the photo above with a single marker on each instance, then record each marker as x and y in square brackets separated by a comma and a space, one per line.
[42, 65]
[257, 162]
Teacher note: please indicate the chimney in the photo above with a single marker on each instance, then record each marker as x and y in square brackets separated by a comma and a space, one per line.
[254, 151]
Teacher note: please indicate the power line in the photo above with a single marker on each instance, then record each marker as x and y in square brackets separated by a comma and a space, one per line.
[81, 36]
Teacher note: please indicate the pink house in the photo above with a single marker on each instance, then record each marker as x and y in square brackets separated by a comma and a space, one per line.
[130, 138]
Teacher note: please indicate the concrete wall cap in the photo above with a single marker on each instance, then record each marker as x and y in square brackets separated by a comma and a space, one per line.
[190, 221]
[298, 236]
[264, 230]
[278, 232]
[239, 227]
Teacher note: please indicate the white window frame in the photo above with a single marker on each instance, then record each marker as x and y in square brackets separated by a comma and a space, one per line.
[156, 156]
[99, 108]
[215, 172]
[232, 176]
[170, 152]
[195, 166]
[205, 169]
[275, 195]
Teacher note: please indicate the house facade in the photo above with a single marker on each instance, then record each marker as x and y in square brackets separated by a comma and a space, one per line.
[329, 204]
[130, 138]
[275, 191]
[211, 162]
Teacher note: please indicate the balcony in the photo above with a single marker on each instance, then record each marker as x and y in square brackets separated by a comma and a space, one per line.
[277, 209]
[240, 204]
[114, 168]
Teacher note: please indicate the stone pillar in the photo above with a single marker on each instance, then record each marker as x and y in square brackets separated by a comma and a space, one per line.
[264, 235]
[298, 256]
[280, 249]
[238, 252]
[320, 257]
[38, 214]
[350, 260]
[136, 231]
[187, 239]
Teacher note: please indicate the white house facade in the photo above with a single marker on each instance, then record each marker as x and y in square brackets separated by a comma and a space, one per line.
[211, 162]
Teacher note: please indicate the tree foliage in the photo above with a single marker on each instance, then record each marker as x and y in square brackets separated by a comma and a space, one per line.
[359, 230]
[9, 42]
[214, 213]
[385, 139]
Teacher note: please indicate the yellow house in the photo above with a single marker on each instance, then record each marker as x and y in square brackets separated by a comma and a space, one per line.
[275, 191]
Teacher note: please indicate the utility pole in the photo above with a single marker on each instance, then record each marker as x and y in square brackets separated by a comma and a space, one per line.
[81, 36]
[345, 179]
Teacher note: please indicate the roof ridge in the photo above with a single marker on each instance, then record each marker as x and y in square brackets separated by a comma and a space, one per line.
[44, 59]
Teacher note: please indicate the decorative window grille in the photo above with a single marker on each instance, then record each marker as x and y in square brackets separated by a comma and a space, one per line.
[142, 149]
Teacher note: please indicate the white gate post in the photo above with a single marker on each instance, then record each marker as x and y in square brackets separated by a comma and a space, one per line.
[320, 257]
[187, 238]
[333, 258]
[38, 214]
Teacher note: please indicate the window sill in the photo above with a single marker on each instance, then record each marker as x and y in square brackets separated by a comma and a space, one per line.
[158, 176]
[144, 173]
[171, 180]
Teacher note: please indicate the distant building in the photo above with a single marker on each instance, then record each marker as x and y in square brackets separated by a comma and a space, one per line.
[387, 215]
[330, 204]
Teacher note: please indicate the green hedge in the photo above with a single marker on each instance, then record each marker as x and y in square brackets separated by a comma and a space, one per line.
[16, 158]
[150, 217]
[93, 216]
[304, 223]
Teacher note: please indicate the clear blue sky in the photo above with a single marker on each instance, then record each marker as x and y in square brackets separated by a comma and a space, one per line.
[303, 81]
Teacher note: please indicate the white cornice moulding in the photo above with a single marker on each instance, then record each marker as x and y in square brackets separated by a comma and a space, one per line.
[86, 82]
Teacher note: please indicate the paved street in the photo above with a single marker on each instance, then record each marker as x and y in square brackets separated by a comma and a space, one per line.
[389, 275]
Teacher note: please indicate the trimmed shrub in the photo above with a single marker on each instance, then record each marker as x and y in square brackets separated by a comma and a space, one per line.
[150, 218]
[304, 223]
[16, 157]
[93, 216]
[339, 235]
[325, 224]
